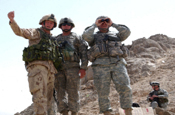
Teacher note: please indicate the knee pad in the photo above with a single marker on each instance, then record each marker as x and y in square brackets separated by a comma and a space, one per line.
[154, 104]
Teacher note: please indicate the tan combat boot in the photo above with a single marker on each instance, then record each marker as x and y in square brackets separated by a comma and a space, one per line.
[65, 112]
[107, 113]
[128, 111]
[74, 113]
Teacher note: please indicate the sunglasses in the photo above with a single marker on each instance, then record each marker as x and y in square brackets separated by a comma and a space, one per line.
[102, 20]
[154, 84]
[64, 24]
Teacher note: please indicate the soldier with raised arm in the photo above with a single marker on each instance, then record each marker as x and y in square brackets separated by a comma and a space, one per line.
[107, 56]
[67, 80]
[40, 57]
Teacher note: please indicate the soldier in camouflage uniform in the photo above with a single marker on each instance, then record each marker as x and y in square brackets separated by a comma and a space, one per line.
[39, 57]
[68, 80]
[107, 56]
[158, 97]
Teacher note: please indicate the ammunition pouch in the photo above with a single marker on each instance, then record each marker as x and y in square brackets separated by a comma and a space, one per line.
[30, 54]
[70, 55]
[93, 52]
[125, 51]
[114, 49]
[163, 100]
[111, 49]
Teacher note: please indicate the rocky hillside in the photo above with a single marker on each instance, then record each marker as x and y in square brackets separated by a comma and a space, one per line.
[151, 59]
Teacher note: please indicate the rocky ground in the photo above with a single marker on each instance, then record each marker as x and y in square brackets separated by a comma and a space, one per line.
[151, 59]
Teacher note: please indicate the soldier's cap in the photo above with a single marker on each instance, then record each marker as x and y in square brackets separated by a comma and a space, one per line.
[102, 17]
[154, 83]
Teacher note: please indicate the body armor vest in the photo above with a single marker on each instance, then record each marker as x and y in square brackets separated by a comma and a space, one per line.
[45, 50]
[103, 45]
[68, 49]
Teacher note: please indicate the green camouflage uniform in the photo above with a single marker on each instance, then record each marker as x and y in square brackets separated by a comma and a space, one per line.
[68, 80]
[161, 101]
[108, 64]
[40, 72]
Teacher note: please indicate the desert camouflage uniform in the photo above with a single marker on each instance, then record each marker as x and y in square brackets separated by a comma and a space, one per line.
[67, 79]
[107, 68]
[40, 73]
[161, 101]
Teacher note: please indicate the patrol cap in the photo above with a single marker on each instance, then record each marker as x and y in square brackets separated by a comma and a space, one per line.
[50, 17]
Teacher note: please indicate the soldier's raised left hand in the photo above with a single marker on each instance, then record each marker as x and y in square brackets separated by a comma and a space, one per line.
[11, 16]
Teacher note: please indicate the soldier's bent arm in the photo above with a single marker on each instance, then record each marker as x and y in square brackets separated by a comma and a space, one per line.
[148, 98]
[164, 95]
[26, 33]
[88, 33]
[83, 53]
[124, 31]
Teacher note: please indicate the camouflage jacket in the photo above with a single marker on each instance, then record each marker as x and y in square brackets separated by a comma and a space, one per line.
[33, 35]
[90, 37]
[162, 96]
[79, 52]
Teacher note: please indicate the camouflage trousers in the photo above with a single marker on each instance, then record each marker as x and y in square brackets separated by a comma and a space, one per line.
[41, 84]
[103, 74]
[154, 105]
[68, 81]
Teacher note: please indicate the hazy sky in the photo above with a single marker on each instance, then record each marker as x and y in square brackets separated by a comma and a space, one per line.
[144, 18]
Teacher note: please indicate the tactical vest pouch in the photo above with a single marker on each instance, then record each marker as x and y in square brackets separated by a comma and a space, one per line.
[66, 55]
[163, 100]
[114, 49]
[93, 52]
[70, 56]
[26, 54]
[31, 54]
[76, 58]
[103, 47]
[125, 51]
[57, 63]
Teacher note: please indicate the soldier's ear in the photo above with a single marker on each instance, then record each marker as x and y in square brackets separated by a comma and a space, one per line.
[43, 23]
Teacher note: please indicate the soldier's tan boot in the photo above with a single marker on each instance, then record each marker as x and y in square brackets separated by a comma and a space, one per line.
[74, 113]
[128, 111]
[107, 113]
[65, 112]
